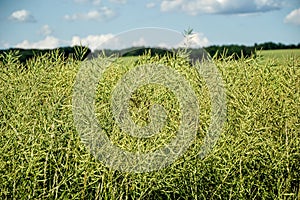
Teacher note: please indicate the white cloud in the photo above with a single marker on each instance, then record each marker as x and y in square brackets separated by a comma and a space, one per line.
[22, 16]
[81, 1]
[195, 40]
[104, 13]
[95, 2]
[140, 42]
[91, 41]
[94, 41]
[48, 43]
[170, 5]
[194, 7]
[150, 5]
[45, 30]
[163, 45]
[293, 17]
[111, 41]
[199, 40]
[98, 2]
[119, 1]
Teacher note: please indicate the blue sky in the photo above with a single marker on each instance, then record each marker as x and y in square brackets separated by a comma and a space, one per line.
[53, 23]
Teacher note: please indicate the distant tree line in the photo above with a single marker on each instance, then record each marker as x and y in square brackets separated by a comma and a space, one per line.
[238, 51]
[218, 51]
[274, 46]
[76, 52]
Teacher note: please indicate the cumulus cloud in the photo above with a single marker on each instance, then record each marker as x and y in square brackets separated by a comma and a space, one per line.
[140, 42]
[194, 7]
[104, 13]
[81, 1]
[119, 1]
[91, 41]
[22, 16]
[45, 30]
[170, 5]
[48, 43]
[195, 40]
[95, 2]
[293, 17]
[98, 2]
[111, 41]
[95, 41]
